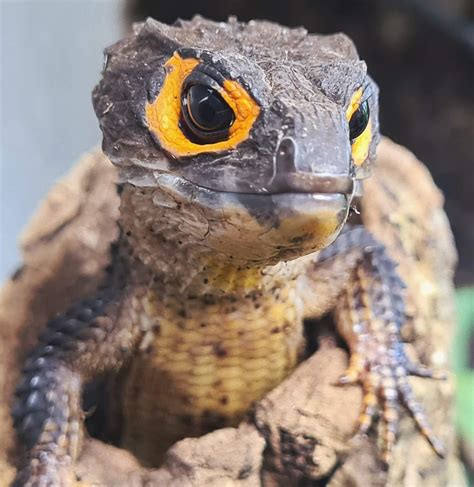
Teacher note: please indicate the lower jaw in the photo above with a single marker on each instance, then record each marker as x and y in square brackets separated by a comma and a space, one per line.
[298, 223]
[277, 226]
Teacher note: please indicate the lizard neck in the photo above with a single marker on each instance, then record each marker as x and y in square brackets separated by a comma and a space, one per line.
[165, 242]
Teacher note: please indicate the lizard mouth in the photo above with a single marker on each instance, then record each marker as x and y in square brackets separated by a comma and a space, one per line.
[297, 193]
[314, 186]
[290, 182]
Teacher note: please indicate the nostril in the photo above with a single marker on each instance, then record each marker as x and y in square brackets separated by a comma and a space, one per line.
[286, 155]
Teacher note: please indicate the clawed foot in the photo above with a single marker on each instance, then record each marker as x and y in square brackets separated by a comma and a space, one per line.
[383, 372]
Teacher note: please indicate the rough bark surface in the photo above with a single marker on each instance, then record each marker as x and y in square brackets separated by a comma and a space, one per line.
[305, 424]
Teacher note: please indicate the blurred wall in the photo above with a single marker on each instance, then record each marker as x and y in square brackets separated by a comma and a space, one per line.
[51, 57]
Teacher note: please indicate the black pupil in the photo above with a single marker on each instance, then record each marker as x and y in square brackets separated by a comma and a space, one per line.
[359, 120]
[207, 109]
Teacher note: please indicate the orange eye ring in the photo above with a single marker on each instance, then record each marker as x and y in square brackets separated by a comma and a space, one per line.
[164, 113]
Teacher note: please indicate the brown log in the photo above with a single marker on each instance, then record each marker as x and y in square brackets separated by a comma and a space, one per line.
[302, 431]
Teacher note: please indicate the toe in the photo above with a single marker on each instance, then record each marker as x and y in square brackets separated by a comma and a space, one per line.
[408, 397]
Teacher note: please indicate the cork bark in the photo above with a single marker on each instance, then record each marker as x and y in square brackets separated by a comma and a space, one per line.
[302, 432]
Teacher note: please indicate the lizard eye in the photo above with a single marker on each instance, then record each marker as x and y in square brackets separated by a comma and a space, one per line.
[359, 120]
[199, 110]
[206, 116]
[360, 127]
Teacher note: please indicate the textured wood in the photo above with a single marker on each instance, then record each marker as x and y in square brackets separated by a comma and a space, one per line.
[65, 252]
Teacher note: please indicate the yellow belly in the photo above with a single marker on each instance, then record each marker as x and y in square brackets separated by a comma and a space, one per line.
[203, 370]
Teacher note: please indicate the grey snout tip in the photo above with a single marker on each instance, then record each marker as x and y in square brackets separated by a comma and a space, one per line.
[288, 178]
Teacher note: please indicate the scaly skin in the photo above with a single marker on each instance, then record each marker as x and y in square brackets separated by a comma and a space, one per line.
[212, 278]
[209, 363]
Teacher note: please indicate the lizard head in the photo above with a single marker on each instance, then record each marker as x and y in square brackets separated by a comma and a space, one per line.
[257, 130]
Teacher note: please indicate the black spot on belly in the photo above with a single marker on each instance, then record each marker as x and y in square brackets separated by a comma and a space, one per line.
[219, 350]
[224, 400]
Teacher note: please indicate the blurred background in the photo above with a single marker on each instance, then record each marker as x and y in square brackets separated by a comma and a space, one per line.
[421, 52]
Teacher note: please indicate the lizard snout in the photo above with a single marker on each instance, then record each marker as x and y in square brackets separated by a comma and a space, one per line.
[289, 178]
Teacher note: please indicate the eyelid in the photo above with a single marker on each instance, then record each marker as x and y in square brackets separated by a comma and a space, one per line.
[367, 92]
[200, 78]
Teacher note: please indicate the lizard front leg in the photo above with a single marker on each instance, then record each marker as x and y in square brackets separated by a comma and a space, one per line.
[369, 313]
[90, 338]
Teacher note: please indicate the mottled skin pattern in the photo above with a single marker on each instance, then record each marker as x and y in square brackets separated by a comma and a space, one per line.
[223, 254]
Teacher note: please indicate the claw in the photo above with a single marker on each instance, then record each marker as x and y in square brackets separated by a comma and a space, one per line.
[353, 373]
[406, 394]
[423, 371]
[345, 380]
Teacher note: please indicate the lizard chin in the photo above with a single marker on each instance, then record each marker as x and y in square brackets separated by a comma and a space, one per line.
[268, 227]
